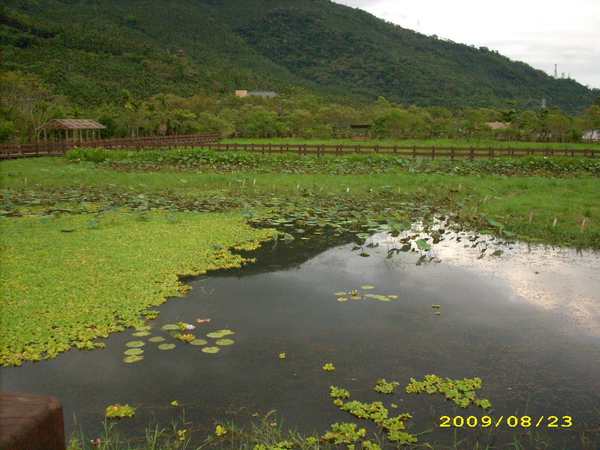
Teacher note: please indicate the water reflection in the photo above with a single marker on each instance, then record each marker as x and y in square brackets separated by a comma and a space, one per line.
[561, 280]
[518, 330]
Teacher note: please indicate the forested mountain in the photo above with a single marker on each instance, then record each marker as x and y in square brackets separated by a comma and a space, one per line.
[92, 50]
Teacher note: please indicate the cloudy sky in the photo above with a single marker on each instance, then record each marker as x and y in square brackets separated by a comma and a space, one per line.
[540, 33]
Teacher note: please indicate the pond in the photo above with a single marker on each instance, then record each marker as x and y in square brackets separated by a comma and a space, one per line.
[525, 319]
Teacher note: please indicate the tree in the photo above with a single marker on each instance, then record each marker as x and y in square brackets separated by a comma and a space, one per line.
[26, 102]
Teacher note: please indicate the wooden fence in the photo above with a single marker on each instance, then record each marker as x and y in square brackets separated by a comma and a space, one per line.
[210, 141]
[136, 144]
[415, 152]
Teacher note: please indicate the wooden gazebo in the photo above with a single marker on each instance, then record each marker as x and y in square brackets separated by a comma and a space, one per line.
[71, 130]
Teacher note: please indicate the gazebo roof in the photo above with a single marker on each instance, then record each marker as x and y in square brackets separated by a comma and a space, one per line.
[72, 124]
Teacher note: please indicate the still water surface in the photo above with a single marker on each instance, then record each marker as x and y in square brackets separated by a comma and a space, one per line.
[526, 321]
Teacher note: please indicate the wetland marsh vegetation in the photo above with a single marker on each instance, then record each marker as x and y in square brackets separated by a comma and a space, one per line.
[93, 242]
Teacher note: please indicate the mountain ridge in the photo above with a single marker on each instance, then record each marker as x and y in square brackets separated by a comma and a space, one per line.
[91, 50]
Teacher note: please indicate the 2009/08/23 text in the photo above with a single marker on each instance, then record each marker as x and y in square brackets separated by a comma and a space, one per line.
[510, 421]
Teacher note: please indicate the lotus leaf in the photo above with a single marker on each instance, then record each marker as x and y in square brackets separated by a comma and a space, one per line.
[132, 358]
[141, 333]
[135, 344]
[215, 335]
[166, 346]
[225, 332]
[199, 342]
[156, 339]
[134, 351]
[224, 342]
[211, 349]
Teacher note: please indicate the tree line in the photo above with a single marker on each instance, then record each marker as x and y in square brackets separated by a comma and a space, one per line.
[26, 103]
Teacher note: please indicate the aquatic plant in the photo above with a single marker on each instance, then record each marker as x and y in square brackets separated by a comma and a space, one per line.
[166, 346]
[211, 349]
[344, 433]
[328, 367]
[384, 387]
[87, 296]
[119, 411]
[461, 392]
[184, 337]
[376, 412]
[356, 295]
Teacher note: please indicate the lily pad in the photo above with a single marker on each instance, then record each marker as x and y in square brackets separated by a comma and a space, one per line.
[141, 333]
[135, 344]
[215, 335]
[225, 332]
[144, 328]
[340, 293]
[342, 299]
[219, 334]
[166, 346]
[199, 342]
[134, 351]
[224, 342]
[156, 339]
[367, 287]
[132, 358]
[211, 349]
[170, 326]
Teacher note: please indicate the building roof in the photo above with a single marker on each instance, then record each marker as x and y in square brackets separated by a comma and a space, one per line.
[269, 94]
[72, 124]
[497, 125]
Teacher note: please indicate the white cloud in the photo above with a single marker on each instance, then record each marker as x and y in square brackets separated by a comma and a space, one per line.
[539, 33]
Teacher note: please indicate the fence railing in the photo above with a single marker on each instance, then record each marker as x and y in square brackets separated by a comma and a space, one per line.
[412, 151]
[210, 141]
[137, 144]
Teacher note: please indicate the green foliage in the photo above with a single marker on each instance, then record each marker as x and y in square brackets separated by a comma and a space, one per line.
[394, 426]
[344, 433]
[384, 387]
[320, 56]
[119, 411]
[87, 294]
[461, 392]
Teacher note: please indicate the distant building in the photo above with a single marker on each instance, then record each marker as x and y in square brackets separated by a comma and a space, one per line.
[497, 125]
[360, 132]
[591, 136]
[265, 94]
